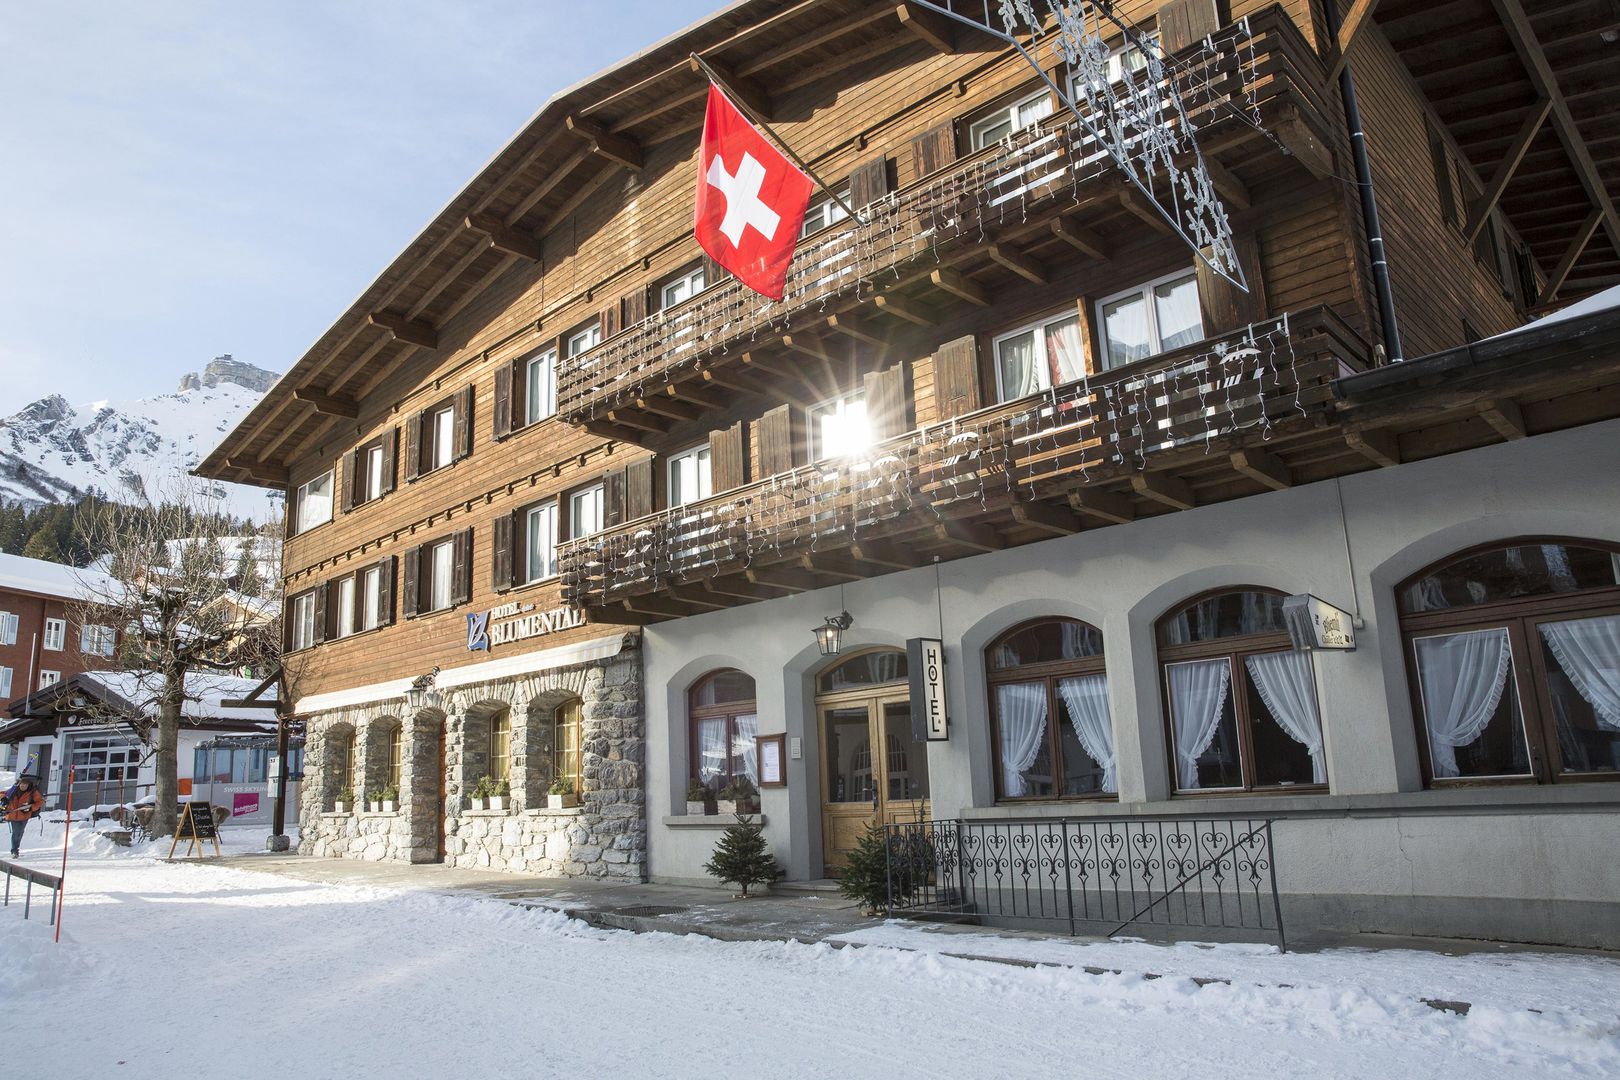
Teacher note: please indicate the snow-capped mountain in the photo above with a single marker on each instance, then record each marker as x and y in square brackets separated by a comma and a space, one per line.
[54, 451]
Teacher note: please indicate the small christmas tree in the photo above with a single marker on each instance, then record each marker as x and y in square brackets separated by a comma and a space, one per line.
[865, 877]
[742, 856]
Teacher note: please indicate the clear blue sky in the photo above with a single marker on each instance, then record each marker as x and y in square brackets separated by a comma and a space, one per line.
[181, 178]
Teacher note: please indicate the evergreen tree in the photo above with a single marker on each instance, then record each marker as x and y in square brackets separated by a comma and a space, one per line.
[248, 580]
[42, 545]
[743, 856]
[865, 877]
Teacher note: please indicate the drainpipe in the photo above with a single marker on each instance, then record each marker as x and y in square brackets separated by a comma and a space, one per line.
[1369, 199]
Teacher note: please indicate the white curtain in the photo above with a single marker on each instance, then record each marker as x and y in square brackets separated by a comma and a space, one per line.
[1019, 377]
[1021, 716]
[1064, 360]
[747, 747]
[1589, 652]
[1197, 699]
[1180, 321]
[1125, 324]
[1086, 698]
[1462, 677]
[1285, 685]
[711, 749]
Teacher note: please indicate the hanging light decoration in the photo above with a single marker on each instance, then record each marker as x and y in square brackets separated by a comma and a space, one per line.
[830, 634]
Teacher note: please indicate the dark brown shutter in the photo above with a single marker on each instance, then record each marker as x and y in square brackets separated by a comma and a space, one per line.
[385, 590]
[349, 493]
[610, 320]
[1225, 306]
[613, 498]
[518, 373]
[638, 489]
[500, 562]
[1440, 159]
[503, 402]
[1183, 22]
[869, 183]
[390, 446]
[775, 441]
[463, 422]
[413, 447]
[410, 592]
[956, 377]
[321, 611]
[461, 567]
[713, 273]
[632, 308]
[728, 457]
[286, 624]
[934, 148]
[886, 401]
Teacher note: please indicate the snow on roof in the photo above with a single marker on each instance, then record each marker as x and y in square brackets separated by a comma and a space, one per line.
[204, 693]
[49, 578]
[1600, 301]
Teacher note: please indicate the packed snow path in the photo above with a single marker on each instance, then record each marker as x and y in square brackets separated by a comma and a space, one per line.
[165, 970]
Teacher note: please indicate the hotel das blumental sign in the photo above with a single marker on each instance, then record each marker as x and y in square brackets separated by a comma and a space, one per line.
[517, 621]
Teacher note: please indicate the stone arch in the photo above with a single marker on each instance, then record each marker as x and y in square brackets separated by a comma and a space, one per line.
[378, 739]
[533, 743]
[470, 753]
[333, 747]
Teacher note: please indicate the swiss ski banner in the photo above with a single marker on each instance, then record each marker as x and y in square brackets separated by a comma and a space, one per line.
[750, 200]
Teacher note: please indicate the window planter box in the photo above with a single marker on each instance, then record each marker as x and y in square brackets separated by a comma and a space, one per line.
[498, 802]
[696, 809]
[340, 807]
[477, 803]
[389, 807]
[561, 802]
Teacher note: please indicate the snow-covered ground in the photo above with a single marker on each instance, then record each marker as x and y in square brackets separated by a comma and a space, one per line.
[173, 970]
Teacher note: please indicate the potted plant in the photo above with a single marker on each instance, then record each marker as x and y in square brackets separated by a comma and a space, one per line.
[561, 795]
[499, 792]
[374, 802]
[741, 797]
[345, 799]
[479, 799]
[697, 798]
[390, 798]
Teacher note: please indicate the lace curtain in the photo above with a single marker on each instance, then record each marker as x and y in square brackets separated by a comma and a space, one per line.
[1064, 361]
[746, 747]
[1589, 652]
[1019, 377]
[1021, 717]
[1086, 698]
[1462, 677]
[711, 735]
[1197, 700]
[1285, 685]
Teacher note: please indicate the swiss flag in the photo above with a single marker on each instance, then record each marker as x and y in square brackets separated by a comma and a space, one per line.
[750, 199]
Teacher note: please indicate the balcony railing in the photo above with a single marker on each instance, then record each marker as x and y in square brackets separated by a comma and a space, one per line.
[1254, 73]
[995, 467]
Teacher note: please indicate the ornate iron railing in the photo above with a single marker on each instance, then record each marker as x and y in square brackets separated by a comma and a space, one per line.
[1098, 875]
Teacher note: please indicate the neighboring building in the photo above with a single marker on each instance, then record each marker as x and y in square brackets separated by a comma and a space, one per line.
[42, 640]
[556, 457]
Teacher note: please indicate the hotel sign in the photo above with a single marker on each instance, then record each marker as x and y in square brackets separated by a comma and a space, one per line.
[517, 621]
[925, 659]
[1314, 624]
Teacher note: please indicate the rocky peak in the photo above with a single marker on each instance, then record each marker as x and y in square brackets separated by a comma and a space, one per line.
[223, 369]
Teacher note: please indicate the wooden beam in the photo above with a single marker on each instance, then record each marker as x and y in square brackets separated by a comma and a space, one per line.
[975, 537]
[258, 470]
[1046, 518]
[1019, 263]
[1233, 190]
[960, 286]
[853, 326]
[745, 89]
[803, 42]
[1480, 209]
[1079, 237]
[619, 615]
[930, 28]
[695, 596]
[733, 380]
[883, 553]
[783, 578]
[327, 403]
[810, 345]
[617, 432]
[1263, 467]
[1357, 18]
[505, 238]
[559, 172]
[690, 391]
[354, 366]
[300, 413]
[1117, 509]
[1304, 147]
[901, 308]
[1379, 447]
[1504, 416]
[451, 276]
[411, 331]
[1560, 274]
[734, 586]
[834, 567]
[1137, 203]
[660, 608]
[619, 149]
[664, 405]
[636, 419]
[1161, 488]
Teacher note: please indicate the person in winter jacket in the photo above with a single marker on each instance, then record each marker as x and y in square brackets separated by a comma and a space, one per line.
[21, 804]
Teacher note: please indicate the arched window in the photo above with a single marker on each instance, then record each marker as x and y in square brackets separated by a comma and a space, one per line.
[872, 668]
[724, 723]
[1241, 703]
[566, 723]
[396, 756]
[342, 748]
[1514, 653]
[1053, 734]
[500, 746]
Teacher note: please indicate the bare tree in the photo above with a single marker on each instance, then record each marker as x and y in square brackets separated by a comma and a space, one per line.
[166, 594]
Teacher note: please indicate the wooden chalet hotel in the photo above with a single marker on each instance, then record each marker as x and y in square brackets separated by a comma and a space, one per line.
[566, 502]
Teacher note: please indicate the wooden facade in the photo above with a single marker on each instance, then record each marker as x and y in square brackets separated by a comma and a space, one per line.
[576, 226]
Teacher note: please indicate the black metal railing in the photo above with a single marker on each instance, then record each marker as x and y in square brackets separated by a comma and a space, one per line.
[29, 878]
[1090, 875]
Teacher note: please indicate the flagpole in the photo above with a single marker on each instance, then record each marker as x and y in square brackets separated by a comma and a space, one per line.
[759, 121]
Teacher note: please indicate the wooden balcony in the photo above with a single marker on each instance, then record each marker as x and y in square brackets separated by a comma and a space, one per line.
[1045, 185]
[1219, 420]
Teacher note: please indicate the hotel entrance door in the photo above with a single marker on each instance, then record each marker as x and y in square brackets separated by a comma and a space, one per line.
[873, 769]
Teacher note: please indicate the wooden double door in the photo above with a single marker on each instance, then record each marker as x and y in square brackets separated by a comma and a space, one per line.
[872, 767]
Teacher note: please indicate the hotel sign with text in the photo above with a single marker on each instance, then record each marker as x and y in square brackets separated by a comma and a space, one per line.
[517, 621]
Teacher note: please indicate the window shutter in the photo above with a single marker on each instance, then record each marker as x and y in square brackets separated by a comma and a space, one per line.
[413, 447]
[610, 320]
[728, 457]
[886, 401]
[463, 422]
[347, 470]
[613, 498]
[390, 446]
[385, 590]
[461, 567]
[869, 183]
[410, 599]
[638, 488]
[500, 563]
[1225, 306]
[934, 148]
[775, 441]
[518, 373]
[503, 401]
[286, 625]
[632, 308]
[320, 612]
[713, 273]
[956, 377]
[1440, 159]
[289, 524]
[1183, 22]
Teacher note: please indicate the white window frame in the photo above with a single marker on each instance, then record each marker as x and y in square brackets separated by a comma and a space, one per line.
[699, 457]
[8, 627]
[540, 386]
[682, 286]
[595, 493]
[586, 337]
[55, 635]
[303, 521]
[5, 686]
[1007, 114]
[841, 403]
[824, 214]
[374, 470]
[441, 575]
[442, 423]
[1039, 327]
[48, 677]
[1144, 291]
[1116, 66]
[96, 639]
[303, 620]
[370, 598]
[345, 605]
[541, 517]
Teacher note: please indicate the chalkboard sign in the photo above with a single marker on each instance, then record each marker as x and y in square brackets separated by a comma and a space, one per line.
[196, 825]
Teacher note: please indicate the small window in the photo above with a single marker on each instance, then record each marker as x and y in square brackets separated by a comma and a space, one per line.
[55, 632]
[372, 482]
[1010, 118]
[8, 628]
[441, 575]
[839, 428]
[681, 288]
[443, 426]
[824, 214]
[724, 727]
[303, 620]
[567, 723]
[1150, 319]
[340, 754]
[1130, 60]
[540, 384]
[865, 669]
[690, 478]
[585, 512]
[500, 746]
[312, 503]
[49, 678]
[1053, 731]
[5, 683]
[584, 338]
[345, 606]
[97, 640]
[371, 613]
[396, 757]
[541, 542]
[1039, 357]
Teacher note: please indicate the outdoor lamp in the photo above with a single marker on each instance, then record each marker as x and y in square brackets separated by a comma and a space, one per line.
[830, 634]
[422, 692]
